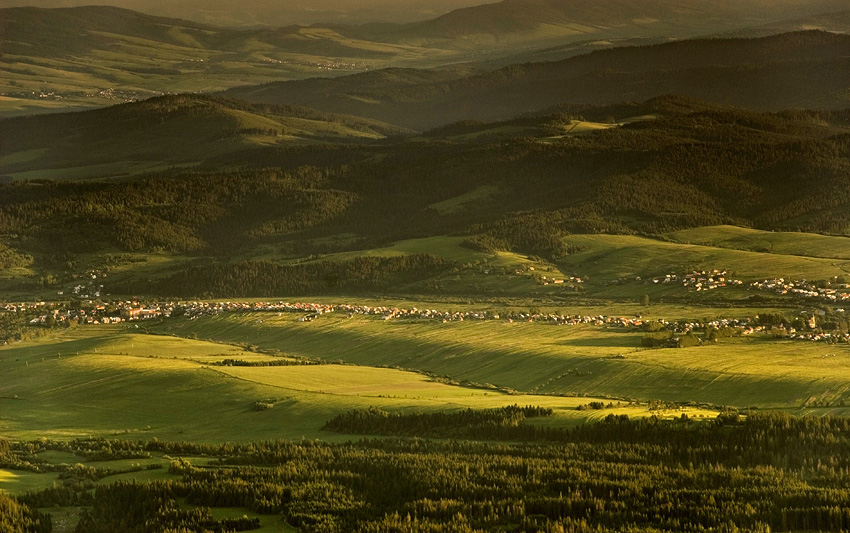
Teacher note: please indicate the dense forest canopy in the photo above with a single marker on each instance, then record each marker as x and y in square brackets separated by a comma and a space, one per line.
[691, 164]
[756, 473]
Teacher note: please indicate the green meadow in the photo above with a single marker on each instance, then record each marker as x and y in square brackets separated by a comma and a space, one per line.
[610, 264]
[609, 257]
[564, 360]
[109, 381]
[772, 242]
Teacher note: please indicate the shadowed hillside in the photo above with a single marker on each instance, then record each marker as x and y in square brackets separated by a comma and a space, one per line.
[98, 55]
[670, 163]
[166, 130]
[805, 69]
[608, 18]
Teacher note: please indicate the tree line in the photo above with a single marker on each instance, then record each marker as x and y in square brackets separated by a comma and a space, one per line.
[698, 166]
[263, 278]
[755, 473]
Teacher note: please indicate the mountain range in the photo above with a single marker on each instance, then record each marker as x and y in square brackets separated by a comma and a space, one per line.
[803, 69]
[54, 59]
[232, 13]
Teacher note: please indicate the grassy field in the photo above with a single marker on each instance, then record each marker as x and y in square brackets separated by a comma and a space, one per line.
[610, 264]
[117, 382]
[110, 382]
[609, 257]
[774, 242]
[536, 358]
[605, 259]
[114, 382]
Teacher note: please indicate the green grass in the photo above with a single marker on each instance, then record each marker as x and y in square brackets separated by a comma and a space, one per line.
[559, 359]
[603, 259]
[606, 258]
[608, 265]
[459, 203]
[20, 481]
[105, 381]
[268, 524]
[773, 242]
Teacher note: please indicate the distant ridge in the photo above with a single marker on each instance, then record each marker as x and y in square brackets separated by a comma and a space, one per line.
[71, 58]
[808, 69]
[836, 22]
[64, 31]
[170, 129]
[612, 18]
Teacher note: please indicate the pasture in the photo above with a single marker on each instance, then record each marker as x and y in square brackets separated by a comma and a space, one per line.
[609, 265]
[574, 360]
[773, 242]
[109, 381]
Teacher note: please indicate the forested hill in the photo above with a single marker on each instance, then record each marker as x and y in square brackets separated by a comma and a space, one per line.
[167, 130]
[519, 185]
[610, 18]
[81, 57]
[795, 70]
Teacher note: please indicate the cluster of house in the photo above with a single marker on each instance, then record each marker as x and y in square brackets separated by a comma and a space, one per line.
[23, 307]
[90, 289]
[820, 337]
[546, 280]
[117, 312]
[311, 311]
[700, 280]
[96, 313]
[707, 280]
[804, 289]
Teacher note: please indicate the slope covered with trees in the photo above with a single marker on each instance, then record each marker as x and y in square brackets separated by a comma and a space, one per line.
[683, 164]
[802, 69]
[166, 130]
[763, 473]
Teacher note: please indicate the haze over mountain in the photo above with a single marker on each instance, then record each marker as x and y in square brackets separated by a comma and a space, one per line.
[805, 69]
[837, 22]
[87, 56]
[273, 12]
[167, 130]
[541, 19]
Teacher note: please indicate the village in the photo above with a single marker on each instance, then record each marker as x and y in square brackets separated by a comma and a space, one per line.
[806, 327]
[837, 292]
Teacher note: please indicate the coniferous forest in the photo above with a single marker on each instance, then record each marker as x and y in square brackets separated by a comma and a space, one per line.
[759, 472]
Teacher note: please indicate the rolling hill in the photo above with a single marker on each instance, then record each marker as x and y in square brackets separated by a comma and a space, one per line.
[164, 131]
[262, 195]
[837, 22]
[233, 13]
[69, 58]
[99, 381]
[541, 20]
[803, 69]
[99, 55]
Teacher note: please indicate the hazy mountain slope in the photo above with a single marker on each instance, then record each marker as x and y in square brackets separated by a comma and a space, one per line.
[275, 12]
[804, 69]
[165, 130]
[97, 55]
[511, 19]
[837, 22]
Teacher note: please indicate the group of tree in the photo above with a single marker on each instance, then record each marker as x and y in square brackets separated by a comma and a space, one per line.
[753, 473]
[694, 165]
[262, 278]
